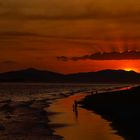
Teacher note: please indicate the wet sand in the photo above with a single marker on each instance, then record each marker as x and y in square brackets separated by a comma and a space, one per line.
[25, 121]
[122, 108]
[80, 125]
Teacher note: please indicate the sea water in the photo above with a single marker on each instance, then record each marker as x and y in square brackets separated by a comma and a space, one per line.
[50, 91]
[83, 125]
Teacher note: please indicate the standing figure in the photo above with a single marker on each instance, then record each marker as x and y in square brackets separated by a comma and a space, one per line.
[75, 104]
[75, 110]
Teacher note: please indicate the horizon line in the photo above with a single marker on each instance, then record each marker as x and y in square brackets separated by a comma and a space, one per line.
[39, 69]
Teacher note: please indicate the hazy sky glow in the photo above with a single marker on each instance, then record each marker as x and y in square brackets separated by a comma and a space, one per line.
[34, 33]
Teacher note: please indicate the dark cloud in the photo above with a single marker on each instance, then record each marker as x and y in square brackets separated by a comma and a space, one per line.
[63, 58]
[127, 55]
[8, 62]
[97, 15]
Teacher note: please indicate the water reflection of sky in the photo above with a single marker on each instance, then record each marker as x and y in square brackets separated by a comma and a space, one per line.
[84, 126]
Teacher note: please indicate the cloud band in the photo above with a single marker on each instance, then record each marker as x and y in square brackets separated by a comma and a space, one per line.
[127, 55]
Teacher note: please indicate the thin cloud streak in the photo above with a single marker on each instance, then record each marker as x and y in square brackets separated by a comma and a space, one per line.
[70, 10]
[8, 62]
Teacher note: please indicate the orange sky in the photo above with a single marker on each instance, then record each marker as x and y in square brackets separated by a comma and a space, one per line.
[34, 33]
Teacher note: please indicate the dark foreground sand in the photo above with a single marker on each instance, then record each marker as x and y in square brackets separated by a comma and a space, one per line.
[25, 121]
[122, 108]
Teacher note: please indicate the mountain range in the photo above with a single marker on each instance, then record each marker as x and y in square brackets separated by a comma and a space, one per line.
[103, 76]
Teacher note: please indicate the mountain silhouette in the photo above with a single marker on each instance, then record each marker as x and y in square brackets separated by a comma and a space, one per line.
[107, 76]
[104, 76]
[30, 75]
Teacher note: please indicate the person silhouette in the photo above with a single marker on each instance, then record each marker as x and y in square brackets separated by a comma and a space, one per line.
[75, 104]
[75, 110]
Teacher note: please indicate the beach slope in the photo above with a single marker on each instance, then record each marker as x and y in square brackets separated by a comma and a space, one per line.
[122, 108]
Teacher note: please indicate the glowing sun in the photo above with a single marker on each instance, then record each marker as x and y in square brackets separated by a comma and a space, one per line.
[130, 69]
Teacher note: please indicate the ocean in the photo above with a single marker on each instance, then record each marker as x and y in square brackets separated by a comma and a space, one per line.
[25, 113]
[38, 91]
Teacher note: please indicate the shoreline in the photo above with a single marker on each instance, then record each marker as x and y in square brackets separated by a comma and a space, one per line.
[121, 108]
[55, 126]
[28, 119]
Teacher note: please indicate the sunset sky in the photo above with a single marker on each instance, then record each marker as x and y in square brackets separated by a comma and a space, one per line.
[67, 36]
